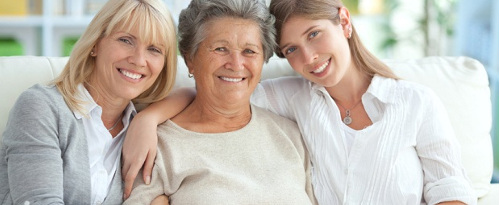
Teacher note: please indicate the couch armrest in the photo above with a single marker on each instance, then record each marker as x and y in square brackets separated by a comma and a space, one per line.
[491, 197]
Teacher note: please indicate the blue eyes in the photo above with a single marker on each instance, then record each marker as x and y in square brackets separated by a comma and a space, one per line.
[292, 48]
[313, 34]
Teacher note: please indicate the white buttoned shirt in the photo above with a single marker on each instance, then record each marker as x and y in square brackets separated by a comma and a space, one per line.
[409, 155]
[104, 150]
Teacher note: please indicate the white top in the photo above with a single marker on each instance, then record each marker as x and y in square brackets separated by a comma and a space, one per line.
[349, 135]
[409, 155]
[104, 150]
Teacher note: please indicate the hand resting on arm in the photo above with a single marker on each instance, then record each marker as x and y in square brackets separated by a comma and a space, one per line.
[139, 147]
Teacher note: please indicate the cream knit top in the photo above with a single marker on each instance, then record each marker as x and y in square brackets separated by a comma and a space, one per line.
[265, 162]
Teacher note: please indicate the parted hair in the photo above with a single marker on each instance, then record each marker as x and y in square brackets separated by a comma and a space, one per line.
[156, 26]
[327, 9]
[194, 20]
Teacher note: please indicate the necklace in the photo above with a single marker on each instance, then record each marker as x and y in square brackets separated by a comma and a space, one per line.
[347, 119]
[116, 123]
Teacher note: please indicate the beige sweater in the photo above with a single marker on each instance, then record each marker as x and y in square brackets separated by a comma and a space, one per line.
[265, 162]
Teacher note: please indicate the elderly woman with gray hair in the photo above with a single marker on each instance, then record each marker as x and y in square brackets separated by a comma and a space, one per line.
[221, 149]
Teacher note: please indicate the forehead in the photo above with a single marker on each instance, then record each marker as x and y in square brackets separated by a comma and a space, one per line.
[144, 28]
[233, 31]
[298, 26]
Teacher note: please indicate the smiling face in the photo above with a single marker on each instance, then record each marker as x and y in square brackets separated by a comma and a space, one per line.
[316, 49]
[125, 65]
[228, 64]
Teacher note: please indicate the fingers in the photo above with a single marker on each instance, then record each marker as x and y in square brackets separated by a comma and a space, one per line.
[148, 166]
[129, 173]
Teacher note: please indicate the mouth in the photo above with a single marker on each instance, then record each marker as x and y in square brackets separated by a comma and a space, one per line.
[232, 80]
[128, 74]
[322, 67]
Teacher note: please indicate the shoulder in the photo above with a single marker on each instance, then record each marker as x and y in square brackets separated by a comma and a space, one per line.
[278, 92]
[401, 91]
[416, 93]
[40, 93]
[278, 127]
[271, 119]
[39, 99]
[285, 82]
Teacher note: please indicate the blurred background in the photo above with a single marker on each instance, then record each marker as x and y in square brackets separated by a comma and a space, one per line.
[398, 29]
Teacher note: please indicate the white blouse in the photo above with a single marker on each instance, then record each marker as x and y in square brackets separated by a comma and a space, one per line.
[104, 150]
[409, 155]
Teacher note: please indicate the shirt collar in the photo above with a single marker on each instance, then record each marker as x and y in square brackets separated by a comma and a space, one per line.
[89, 105]
[381, 88]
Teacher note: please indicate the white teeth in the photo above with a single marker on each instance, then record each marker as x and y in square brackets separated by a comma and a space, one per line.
[231, 79]
[130, 75]
[322, 67]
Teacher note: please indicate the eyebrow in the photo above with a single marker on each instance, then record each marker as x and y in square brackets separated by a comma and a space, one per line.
[304, 33]
[225, 42]
[252, 45]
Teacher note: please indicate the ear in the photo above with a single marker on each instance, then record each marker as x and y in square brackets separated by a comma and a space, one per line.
[93, 52]
[189, 64]
[345, 21]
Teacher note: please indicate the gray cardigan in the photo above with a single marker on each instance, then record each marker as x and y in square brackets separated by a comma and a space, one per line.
[44, 154]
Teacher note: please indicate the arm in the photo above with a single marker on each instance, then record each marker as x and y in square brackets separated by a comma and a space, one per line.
[139, 147]
[439, 153]
[32, 157]
[275, 95]
[155, 192]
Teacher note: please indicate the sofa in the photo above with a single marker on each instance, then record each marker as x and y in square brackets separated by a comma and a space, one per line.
[461, 83]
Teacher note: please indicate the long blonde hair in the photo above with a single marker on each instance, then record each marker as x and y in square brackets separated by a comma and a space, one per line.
[327, 9]
[155, 26]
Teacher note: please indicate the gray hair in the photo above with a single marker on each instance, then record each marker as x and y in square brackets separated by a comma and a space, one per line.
[193, 21]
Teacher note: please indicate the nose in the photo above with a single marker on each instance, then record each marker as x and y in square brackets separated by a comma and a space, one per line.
[309, 56]
[235, 61]
[138, 58]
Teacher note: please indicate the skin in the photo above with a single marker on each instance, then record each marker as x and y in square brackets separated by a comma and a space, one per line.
[309, 45]
[318, 50]
[227, 68]
[118, 57]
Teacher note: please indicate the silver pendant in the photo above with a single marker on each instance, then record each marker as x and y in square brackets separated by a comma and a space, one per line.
[347, 120]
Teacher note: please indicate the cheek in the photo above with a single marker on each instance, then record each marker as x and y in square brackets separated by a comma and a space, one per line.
[157, 66]
[294, 63]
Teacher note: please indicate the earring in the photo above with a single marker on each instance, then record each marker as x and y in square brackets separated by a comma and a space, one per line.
[190, 75]
[92, 53]
[350, 32]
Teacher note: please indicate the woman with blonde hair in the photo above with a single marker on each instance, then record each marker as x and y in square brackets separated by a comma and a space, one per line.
[62, 143]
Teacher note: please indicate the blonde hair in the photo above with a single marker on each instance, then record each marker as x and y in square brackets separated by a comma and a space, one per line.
[327, 9]
[156, 26]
